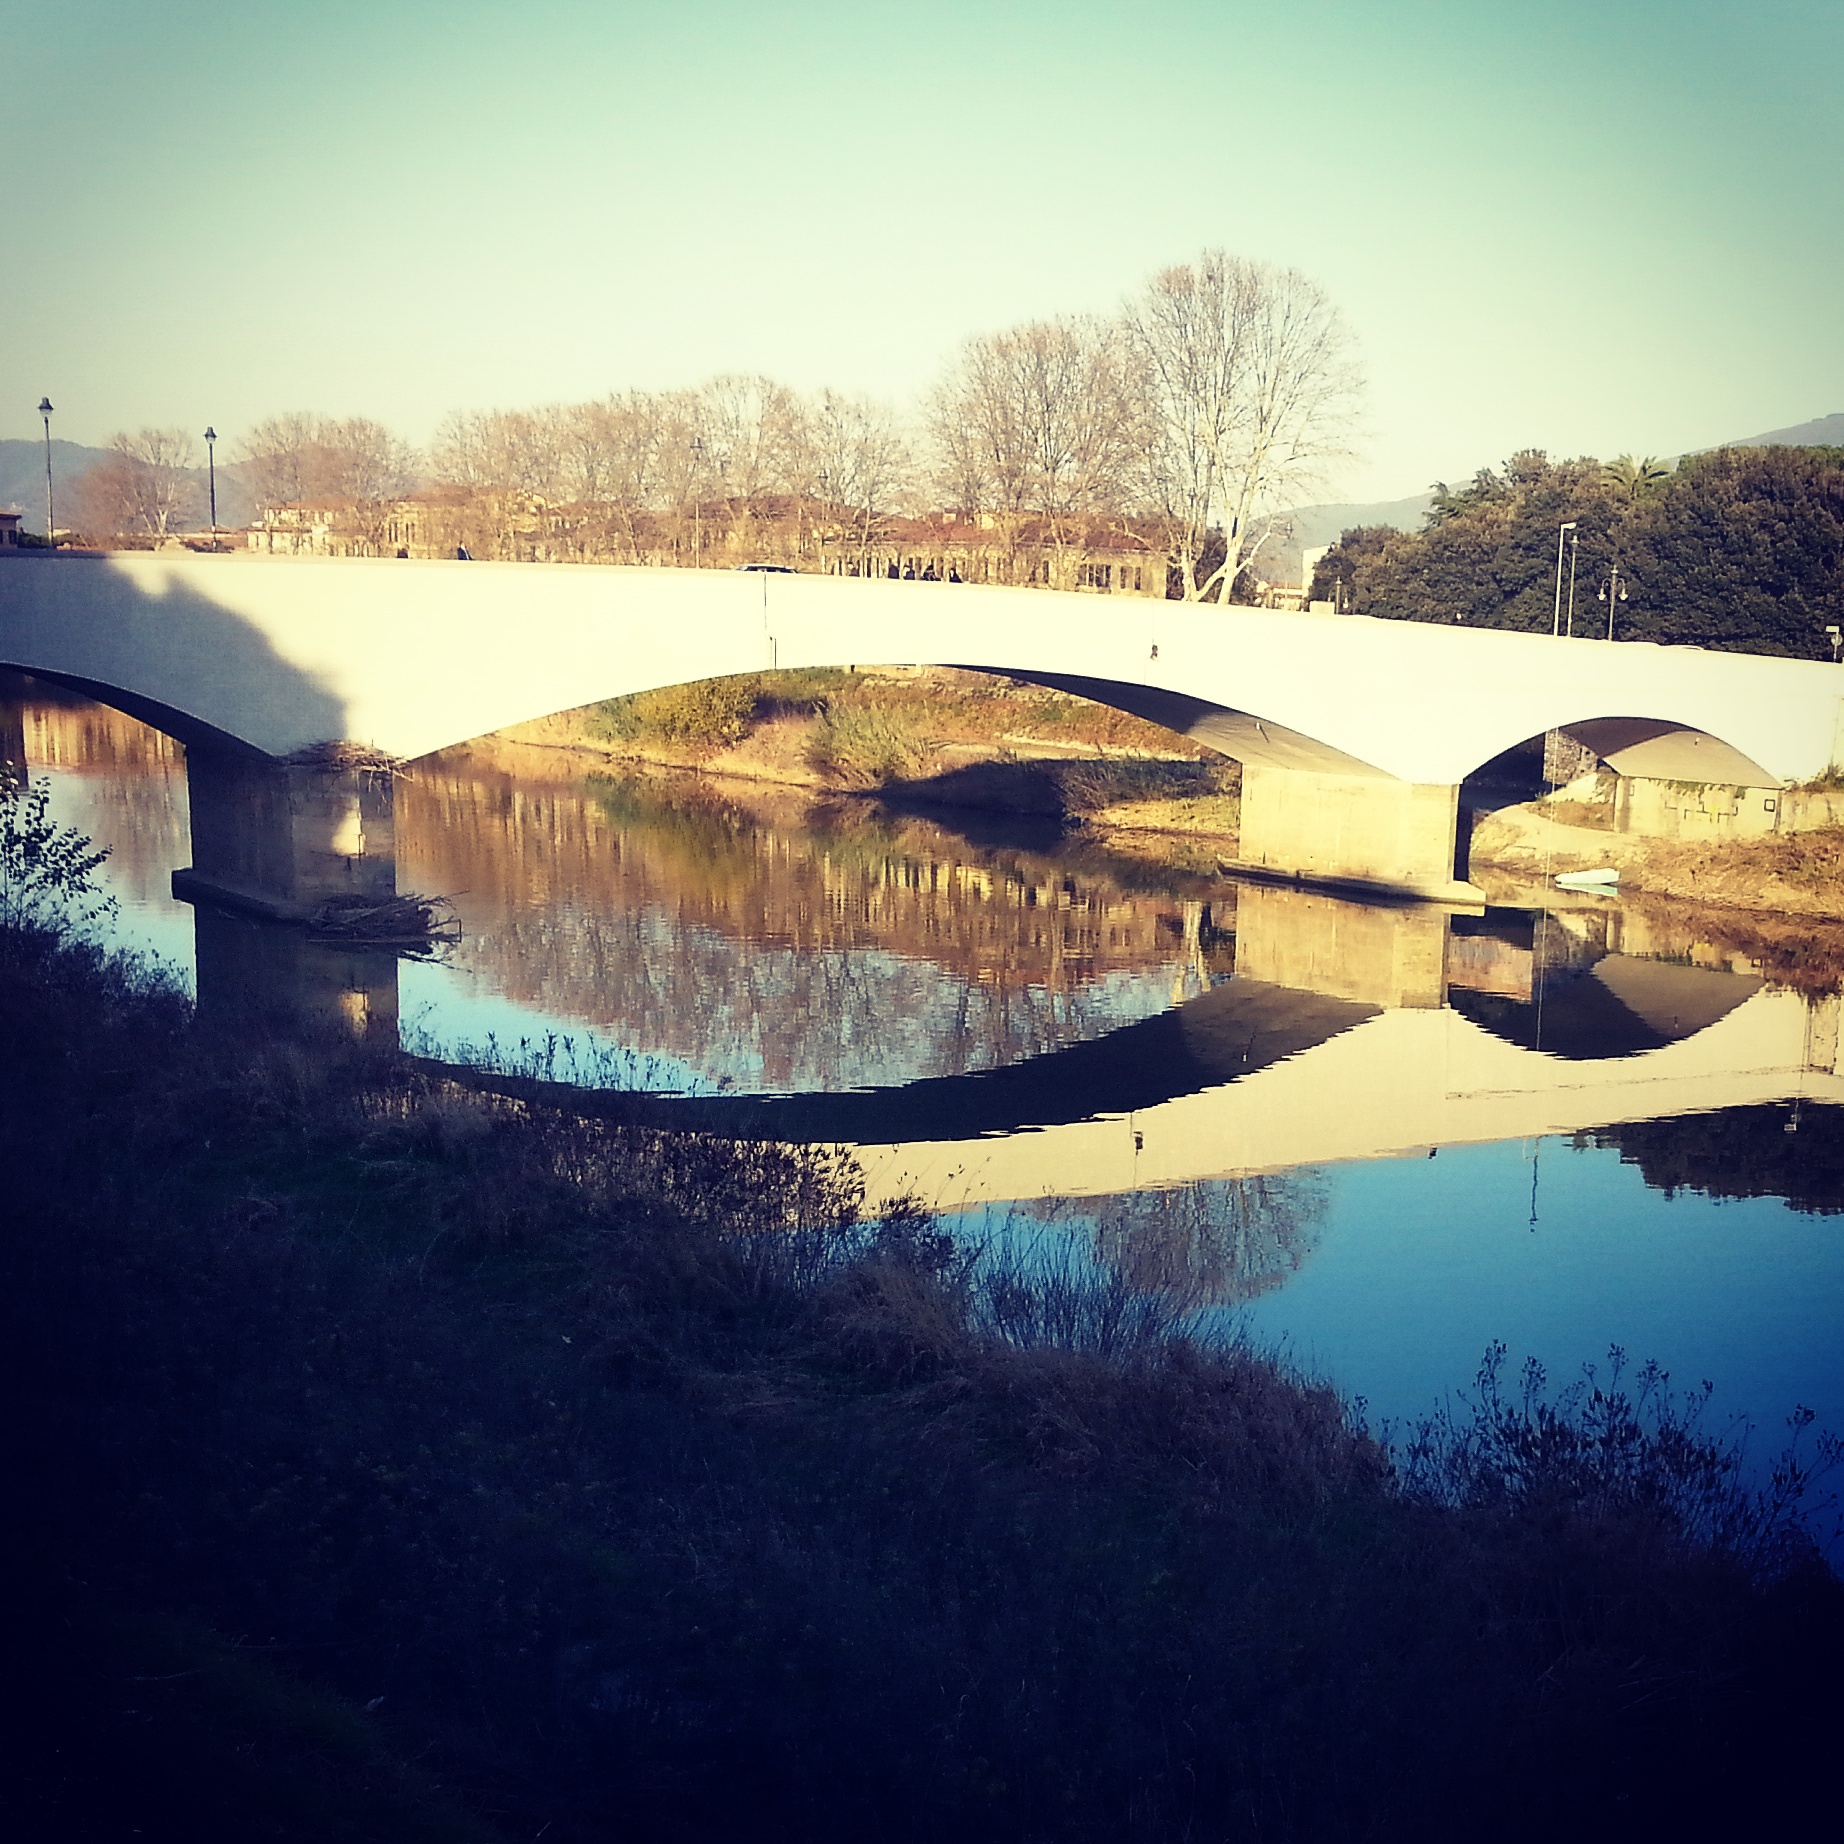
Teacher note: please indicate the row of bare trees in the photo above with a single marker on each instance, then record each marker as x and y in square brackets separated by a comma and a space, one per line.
[1215, 398]
[1208, 404]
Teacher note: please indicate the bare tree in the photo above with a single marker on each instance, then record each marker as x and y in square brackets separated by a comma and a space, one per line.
[279, 457]
[145, 488]
[856, 461]
[518, 451]
[302, 457]
[1252, 388]
[1042, 423]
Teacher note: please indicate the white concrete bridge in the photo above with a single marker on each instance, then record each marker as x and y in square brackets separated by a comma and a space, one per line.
[1354, 734]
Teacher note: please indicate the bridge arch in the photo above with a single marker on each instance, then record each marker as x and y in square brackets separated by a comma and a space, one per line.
[1350, 731]
[184, 728]
[1650, 748]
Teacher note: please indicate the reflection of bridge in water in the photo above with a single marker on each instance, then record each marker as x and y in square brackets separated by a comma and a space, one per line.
[1347, 1031]
[1323, 1028]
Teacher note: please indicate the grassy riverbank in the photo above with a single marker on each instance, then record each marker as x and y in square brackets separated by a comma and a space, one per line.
[929, 737]
[934, 737]
[397, 1463]
[1517, 850]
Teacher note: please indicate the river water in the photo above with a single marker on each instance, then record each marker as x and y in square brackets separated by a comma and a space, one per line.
[1380, 1139]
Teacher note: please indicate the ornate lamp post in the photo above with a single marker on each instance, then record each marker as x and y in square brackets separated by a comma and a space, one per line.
[1612, 591]
[51, 524]
[211, 467]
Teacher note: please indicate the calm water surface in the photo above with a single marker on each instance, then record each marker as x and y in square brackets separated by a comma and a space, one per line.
[1380, 1138]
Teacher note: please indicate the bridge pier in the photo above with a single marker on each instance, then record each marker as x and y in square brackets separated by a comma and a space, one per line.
[1388, 955]
[1401, 837]
[271, 842]
[260, 976]
[13, 740]
[276, 839]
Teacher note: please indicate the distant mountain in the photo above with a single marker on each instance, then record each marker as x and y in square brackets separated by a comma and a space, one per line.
[1312, 526]
[1821, 432]
[22, 476]
[22, 483]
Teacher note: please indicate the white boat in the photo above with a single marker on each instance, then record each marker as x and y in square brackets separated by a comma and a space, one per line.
[1604, 877]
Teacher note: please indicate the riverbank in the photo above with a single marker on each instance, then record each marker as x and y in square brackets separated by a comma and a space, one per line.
[1518, 851]
[933, 737]
[407, 1464]
[928, 737]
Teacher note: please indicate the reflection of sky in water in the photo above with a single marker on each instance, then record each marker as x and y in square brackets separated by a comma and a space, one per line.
[1422, 1263]
[138, 871]
[1413, 1267]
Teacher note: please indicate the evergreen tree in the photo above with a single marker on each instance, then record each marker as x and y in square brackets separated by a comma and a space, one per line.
[1740, 549]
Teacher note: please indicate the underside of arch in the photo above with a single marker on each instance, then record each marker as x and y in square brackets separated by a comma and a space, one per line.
[181, 727]
[1659, 750]
[1238, 734]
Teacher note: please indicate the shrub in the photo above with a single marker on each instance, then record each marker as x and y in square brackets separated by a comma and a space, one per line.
[1088, 787]
[47, 871]
[710, 711]
[866, 748]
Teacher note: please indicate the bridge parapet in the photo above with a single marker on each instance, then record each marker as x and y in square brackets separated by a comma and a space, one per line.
[1378, 721]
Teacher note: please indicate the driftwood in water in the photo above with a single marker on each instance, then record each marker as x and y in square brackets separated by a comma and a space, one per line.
[392, 921]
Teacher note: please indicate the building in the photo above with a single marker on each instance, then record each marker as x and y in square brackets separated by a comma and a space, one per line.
[1090, 556]
[9, 530]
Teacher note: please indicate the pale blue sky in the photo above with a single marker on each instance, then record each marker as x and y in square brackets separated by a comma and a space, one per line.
[1590, 227]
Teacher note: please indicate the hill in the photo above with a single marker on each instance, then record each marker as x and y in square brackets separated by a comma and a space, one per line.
[1313, 526]
[22, 475]
[1820, 432]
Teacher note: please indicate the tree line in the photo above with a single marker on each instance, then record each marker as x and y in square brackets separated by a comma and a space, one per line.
[1206, 405]
[1741, 549]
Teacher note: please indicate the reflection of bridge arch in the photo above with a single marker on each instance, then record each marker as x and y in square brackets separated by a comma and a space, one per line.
[1263, 1079]
[1398, 1083]
[1354, 733]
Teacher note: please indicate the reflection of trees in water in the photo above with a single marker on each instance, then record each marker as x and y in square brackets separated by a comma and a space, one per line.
[120, 783]
[786, 1018]
[789, 956]
[1216, 1242]
[1793, 1150]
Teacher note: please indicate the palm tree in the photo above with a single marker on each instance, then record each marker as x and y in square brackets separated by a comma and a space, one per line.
[1633, 479]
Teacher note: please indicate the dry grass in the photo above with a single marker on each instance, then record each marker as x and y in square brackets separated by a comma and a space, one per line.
[636, 1485]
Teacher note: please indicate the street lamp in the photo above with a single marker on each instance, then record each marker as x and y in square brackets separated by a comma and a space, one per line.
[211, 466]
[1574, 546]
[1836, 637]
[1556, 624]
[697, 453]
[1612, 591]
[51, 524]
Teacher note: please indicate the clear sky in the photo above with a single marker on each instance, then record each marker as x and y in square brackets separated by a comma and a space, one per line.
[1591, 227]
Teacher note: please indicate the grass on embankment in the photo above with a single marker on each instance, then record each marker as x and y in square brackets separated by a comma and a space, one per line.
[392, 1463]
[932, 737]
[1792, 874]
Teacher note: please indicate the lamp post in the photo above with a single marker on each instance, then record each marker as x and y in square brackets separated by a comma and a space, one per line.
[697, 454]
[211, 468]
[1612, 591]
[1555, 627]
[1836, 636]
[51, 524]
[1574, 546]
